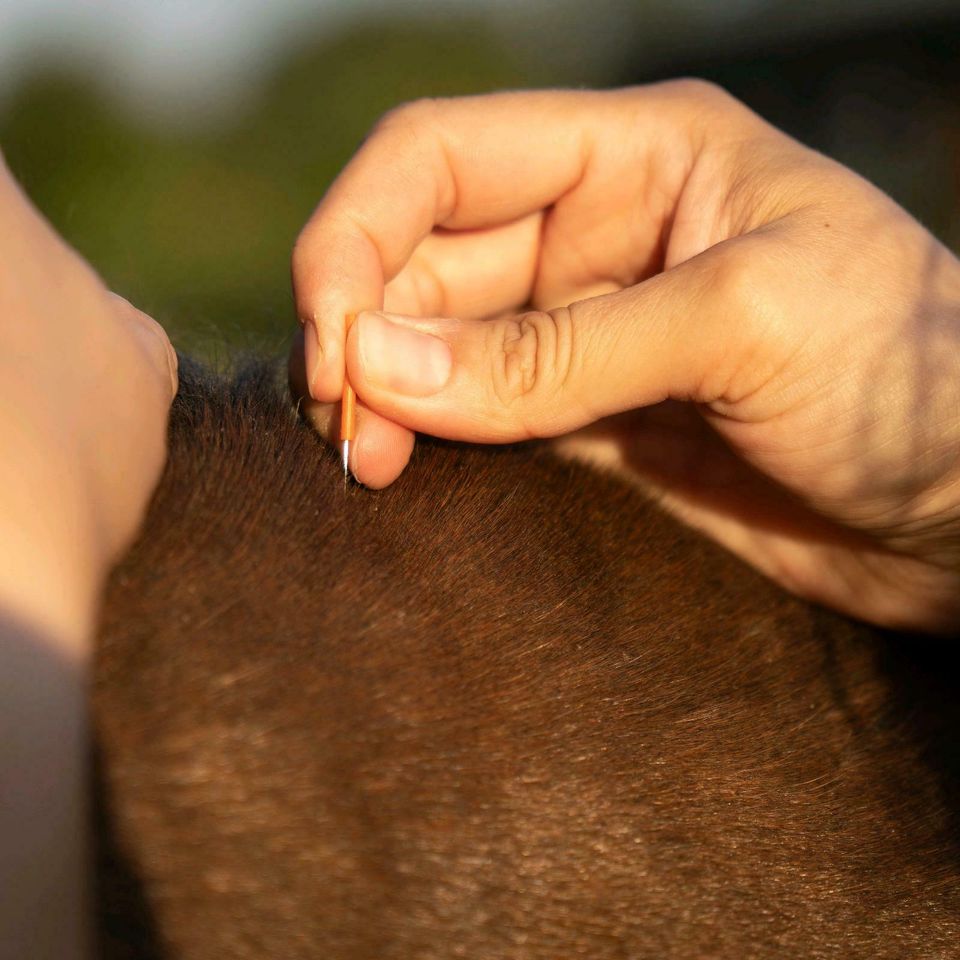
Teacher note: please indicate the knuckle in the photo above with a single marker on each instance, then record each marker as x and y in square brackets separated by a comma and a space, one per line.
[706, 103]
[427, 288]
[735, 283]
[532, 359]
[413, 134]
[754, 346]
[704, 93]
[413, 114]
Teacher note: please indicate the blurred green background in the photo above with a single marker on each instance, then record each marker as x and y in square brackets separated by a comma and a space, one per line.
[193, 216]
[195, 226]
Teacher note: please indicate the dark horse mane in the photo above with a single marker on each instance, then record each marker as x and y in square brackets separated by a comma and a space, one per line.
[504, 708]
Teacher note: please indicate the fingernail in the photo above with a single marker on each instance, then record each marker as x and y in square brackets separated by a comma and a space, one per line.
[400, 359]
[311, 353]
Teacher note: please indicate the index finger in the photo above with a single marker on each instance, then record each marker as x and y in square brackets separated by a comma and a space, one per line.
[460, 163]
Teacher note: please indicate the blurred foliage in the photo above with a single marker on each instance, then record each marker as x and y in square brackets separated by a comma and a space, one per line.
[196, 228]
[884, 99]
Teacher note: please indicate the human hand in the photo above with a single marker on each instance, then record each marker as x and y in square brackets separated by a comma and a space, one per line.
[86, 382]
[673, 247]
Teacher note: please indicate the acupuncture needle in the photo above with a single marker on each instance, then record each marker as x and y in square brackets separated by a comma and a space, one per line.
[348, 414]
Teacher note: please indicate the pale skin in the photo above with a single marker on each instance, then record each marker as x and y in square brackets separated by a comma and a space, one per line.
[673, 247]
[784, 334]
[86, 383]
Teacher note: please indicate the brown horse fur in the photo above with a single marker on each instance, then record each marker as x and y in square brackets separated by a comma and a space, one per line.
[505, 708]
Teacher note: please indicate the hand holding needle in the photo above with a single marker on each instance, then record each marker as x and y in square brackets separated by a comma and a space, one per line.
[670, 244]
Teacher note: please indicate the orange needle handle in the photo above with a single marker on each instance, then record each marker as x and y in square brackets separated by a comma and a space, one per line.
[348, 408]
[348, 413]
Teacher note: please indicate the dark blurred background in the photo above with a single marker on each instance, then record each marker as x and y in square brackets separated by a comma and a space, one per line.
[181, 145]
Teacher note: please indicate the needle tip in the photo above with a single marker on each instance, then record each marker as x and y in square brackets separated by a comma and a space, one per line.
[345, 456]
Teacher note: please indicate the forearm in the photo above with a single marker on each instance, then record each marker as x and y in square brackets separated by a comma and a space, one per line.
[49, 581]
[43, 815]
[86, 382]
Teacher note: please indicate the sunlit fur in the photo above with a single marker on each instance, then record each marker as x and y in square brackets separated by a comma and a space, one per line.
[505, 708]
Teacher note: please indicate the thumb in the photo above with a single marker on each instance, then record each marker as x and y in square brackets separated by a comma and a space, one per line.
[680, 334]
